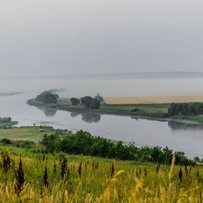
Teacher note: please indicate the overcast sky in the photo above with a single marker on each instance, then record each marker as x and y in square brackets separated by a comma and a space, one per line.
[39, 37]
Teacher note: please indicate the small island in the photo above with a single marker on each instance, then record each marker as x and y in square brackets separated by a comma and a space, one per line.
[187, 113]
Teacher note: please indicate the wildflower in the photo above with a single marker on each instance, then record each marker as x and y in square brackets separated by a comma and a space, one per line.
[19, 178]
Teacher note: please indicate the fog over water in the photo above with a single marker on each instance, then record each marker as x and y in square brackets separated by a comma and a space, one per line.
[14, 92]
[149, 47]
[140, 84]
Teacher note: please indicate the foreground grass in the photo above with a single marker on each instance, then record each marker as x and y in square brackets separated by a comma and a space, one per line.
[90, 179]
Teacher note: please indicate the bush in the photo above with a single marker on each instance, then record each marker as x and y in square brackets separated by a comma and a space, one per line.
[6, 141]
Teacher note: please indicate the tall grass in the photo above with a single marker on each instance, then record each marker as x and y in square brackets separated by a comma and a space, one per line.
[89, 180]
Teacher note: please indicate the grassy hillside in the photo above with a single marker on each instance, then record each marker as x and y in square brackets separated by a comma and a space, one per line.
[59, 178]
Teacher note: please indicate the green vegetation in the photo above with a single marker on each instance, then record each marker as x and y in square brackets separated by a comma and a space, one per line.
[51, 100]
[90, 103]
[58, 169]
[34, 134]
[47, 97]
[139, 110]
[6, 122]
[84, 143]
[186, 109]
[75, 101]
[55, 141]
[87, 102]
[67, 178]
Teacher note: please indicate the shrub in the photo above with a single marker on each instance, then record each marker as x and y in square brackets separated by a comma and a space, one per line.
[6, 141]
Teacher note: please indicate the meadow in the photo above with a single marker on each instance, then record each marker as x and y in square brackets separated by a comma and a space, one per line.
[30, 177]
[23, 133]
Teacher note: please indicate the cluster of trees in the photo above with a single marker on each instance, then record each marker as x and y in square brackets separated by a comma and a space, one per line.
[5, 119]
[88, 102]
[6, 122]
[19, 143]
[185, 109]
[83, 143]
[47, 97]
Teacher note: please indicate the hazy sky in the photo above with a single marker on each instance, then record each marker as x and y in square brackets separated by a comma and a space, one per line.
[39, 37]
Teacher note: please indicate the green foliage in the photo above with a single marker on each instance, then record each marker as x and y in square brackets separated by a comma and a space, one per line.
[6, 141]
[24, 144]
[47, 97]
[99, 98]
[185, 109]
[6, 122]
[90, 103]
[75, 101]
[84, 143]
[20, 143]
[52, 142]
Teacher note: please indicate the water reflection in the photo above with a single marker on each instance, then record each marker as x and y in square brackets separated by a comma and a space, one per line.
[91, 117]
[74, 114]
[184, 126]
[88, 117]
[49, 112]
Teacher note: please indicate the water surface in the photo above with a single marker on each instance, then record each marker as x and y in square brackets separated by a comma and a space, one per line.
[14, 92]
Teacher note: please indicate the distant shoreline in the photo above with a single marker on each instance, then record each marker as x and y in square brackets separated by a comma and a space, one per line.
[152, 99]
[4, 94]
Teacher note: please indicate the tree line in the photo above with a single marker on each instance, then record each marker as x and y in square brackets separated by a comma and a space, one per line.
[84, 143]
[185, 109]
[48, 97]
[87, 101]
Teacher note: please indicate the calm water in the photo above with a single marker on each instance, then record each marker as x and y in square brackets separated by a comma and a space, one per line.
[143, 132]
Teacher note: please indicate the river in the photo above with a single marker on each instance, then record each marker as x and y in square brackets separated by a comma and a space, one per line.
[14, 92]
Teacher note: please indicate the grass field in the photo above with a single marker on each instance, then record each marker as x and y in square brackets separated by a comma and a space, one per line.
[23, 133]
[151, 108]
[58, 178]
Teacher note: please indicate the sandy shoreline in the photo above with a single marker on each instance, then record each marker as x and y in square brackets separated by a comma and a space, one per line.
[152, 99]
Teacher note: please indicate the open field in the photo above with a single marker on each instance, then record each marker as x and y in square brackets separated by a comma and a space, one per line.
[152, 100]
[148, 108]
[65, 178]
[23, 133]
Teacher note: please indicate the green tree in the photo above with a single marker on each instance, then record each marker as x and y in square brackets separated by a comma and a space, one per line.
[75, 101]
[47, 97]
[90, 102]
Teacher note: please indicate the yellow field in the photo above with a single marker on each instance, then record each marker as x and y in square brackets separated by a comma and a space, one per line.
[152, 100]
